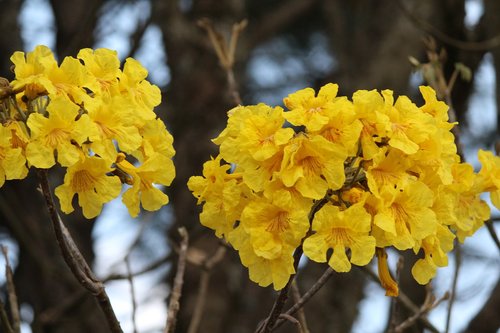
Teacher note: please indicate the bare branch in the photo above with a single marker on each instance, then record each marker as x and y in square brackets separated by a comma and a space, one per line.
[199, 307]
[492, 232]
[173, 306]
[405, 300]
[74, 259]
[458, 262]
[11, 290]
[300, 313]
[132, 292]
[486, 45]
[294, 321]
[4, 319]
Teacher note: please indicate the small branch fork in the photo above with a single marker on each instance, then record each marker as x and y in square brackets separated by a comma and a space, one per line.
[225, 53]
[74, 259]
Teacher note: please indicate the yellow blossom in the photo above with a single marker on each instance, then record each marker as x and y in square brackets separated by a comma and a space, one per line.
[157, 169]
[341, 230]
[263, 271]
[271, 225]
[12, 160]
[90, 180]
[309, 110]
[313, 165]
[62, 131]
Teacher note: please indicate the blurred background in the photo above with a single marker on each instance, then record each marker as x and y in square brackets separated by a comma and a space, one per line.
[287, 45]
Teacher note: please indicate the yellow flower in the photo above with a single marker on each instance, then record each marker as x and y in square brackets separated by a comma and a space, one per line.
[341, 230]
[406, 215]
[138, 90]
[261, 270]
[31, 70]
[90, 180]
[309, 110]
[272, 225]
[369, 109]
[437, 109]
[387, 170]
[112, 123]
[435, 249]
[343, 128]
[12, 160]
[157, 169]
[59, 132]
[223, 195]
[68, 80]
[155, 139]
[489, 176]
[104, 66]
[313, 165]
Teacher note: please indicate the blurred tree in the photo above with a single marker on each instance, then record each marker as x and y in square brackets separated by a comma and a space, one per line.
[368, 44]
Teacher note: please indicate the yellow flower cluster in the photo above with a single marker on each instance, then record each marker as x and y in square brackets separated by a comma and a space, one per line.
[353, 176]
[92, 118]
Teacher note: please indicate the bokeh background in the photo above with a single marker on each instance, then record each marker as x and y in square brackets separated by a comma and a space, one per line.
[287, 45]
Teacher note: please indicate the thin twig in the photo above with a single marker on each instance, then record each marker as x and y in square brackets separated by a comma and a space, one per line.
[225, 53]
[74, 258]
[493, 234]
[300, 313]
[4, 319]
[132, 293]
[394, 303]
[291, 319]
[429, 304]
[152, 266]
[308, 295]
[404, 299]
[203, 288]
[268, 324]
[485, 45]
[173, 306]
[11, 290]
[458, 262]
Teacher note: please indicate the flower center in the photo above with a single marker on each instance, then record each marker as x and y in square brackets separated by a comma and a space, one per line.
[279, 223]
[83, 181]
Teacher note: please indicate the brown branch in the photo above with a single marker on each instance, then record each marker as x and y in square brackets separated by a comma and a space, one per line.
[268, 324]
[137, 35]
[486, 45]
[152, 266]
[458, 262]
[4, 319]
[132, 293]
[492, 232]
[74, 259]
[11, 290]
[225, 53]
[404, 299]
[300, 313]
[173, 306]
[291, 319]
[199, 307]
[429, 304]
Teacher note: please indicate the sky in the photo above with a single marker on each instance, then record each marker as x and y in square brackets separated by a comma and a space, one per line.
[475, 281]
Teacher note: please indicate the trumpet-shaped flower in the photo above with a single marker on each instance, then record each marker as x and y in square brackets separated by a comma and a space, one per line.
[341, 230]
[89, 179]
[273, 225]
[263, 271]
[489, 176]
[222, 193]
[309, 110]
[62, 132]
[313, 165]
[406, 215]
[157, 169]
[12, 160]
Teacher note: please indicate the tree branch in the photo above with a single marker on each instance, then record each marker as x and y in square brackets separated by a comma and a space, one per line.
[173, 306]
[74, 259]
